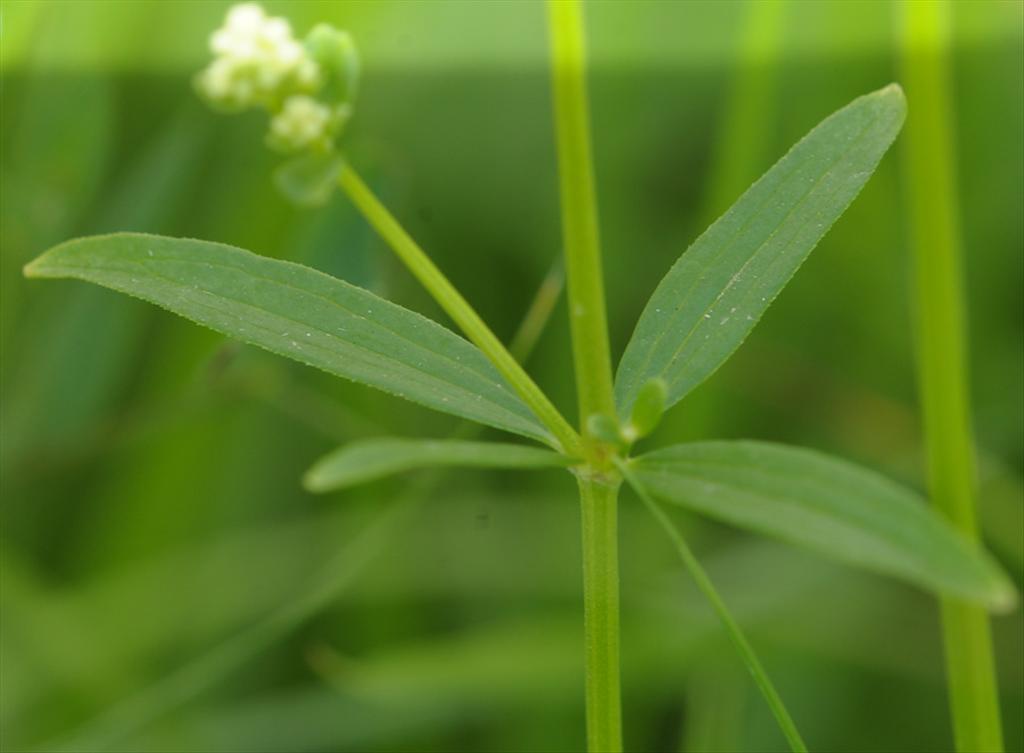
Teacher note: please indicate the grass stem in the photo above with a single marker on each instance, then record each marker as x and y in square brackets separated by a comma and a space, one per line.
[930, 185]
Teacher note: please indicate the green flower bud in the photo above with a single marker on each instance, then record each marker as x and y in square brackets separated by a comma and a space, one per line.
[335, 54]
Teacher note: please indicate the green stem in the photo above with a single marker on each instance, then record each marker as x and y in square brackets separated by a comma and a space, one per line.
[733, 629]
[592, 361]
[458, 308]
[539, 313]
[579, 211]
[932, 203]
[599, 504]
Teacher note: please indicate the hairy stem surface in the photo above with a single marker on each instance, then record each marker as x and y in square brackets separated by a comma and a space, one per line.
[599, 507]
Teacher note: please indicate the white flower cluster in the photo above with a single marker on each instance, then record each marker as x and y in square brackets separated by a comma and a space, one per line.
[259, 63]
[256, 57]
[303, 122]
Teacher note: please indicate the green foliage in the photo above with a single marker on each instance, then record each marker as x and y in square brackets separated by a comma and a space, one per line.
[792, 494]
[298, 312]
[827, 505]
[713, 296]
[371, 459]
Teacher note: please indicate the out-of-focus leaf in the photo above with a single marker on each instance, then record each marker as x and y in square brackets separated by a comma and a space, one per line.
[828, 505]
[359, 462]
[713, 296]
[298, 312]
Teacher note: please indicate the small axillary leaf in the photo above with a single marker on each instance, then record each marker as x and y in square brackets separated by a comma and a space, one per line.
[648, 408]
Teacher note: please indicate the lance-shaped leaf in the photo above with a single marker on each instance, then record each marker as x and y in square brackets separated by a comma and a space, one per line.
[371, 459]
[829, 505]
[714, 295]
[301, 313]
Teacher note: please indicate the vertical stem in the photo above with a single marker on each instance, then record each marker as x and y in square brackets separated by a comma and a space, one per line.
[579, 211]
[599, 502]
[932, 203]
[592, 361]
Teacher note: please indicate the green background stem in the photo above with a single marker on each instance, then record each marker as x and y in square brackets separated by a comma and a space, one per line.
[457, 308]
[930, 189]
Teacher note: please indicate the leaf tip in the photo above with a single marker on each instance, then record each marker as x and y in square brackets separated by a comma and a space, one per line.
[31, 269]
[894, 93]
[313, 480]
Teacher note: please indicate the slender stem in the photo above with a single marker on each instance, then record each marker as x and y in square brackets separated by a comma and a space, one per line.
[733, 629]
[599, 505]
[579, 211]
[458, 308]
[932, 203]
[539, 313]
[592, 361]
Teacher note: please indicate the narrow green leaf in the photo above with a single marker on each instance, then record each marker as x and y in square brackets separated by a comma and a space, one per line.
[834, 507]
[368, 460]
[298, 312]
[715, 293]
[732, 628]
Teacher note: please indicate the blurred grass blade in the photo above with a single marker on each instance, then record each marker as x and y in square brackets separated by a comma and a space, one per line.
[933, 222]
[368, 460]
[829, 505]
[301, 313]
[714, 295]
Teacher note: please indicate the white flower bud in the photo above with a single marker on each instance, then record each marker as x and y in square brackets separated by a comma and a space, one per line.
[302, 122]
[258, 62]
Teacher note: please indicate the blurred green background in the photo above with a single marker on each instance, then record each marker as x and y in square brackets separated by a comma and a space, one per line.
[166, 583]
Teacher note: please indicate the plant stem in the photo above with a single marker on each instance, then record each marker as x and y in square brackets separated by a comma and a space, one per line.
[599, 505]
[932, 203]
[458, 309]
[736, 635]
[592, 362]
[539, 313]
[579, 211]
